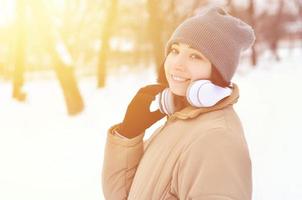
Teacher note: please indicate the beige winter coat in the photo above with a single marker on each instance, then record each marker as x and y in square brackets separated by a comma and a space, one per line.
[198, 154]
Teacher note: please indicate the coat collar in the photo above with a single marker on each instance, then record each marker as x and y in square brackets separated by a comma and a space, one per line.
[192, 112]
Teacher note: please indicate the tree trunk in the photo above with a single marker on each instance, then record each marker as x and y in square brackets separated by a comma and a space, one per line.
[252, 23]
[20, 51]
[105, 39]
[62, 60]
[155, 30]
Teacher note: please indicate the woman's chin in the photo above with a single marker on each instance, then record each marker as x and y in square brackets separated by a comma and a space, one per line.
[178, 92]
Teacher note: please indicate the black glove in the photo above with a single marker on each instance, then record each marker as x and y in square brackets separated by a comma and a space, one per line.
[138, 116]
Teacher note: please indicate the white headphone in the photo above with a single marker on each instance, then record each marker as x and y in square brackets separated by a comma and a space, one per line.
[200, 93]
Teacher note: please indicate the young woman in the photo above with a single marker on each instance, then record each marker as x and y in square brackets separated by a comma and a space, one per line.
[200, 153]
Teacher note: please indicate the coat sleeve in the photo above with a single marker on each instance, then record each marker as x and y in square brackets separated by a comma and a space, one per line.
[121, 159]
[214, 167]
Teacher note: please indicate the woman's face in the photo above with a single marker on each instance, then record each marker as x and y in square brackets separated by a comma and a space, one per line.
[183, 65]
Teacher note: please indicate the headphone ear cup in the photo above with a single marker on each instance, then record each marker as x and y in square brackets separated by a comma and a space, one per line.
[166, 102]
[203, 93]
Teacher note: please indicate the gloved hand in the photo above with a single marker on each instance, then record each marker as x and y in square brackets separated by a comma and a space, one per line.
[138, 116]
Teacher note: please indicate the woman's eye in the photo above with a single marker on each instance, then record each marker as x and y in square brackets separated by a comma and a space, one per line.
[174, 51]
[195, 56]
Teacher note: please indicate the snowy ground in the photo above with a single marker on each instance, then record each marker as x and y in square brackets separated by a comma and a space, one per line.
[44, 154]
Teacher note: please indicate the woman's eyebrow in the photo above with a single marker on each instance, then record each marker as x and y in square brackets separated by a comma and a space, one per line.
[175, 44]
[192, 48]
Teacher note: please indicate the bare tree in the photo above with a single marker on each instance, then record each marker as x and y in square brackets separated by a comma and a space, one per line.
[156, 23]
[105, 39]
[251, 14]
[61, 57]
[276, 30]
[20, 51]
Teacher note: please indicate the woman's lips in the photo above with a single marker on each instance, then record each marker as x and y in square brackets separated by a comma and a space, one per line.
[178, 79]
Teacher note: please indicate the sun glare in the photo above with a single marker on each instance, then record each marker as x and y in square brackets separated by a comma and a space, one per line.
[7, 8]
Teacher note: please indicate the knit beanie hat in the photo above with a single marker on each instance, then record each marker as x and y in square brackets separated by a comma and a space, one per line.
[217, 35]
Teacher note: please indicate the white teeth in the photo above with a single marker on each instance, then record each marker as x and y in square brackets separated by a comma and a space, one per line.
[177, 78]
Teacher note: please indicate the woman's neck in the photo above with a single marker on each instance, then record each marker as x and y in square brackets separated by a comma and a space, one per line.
[181, 102]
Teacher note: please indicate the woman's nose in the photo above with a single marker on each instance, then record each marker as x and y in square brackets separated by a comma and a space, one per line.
[180, 63]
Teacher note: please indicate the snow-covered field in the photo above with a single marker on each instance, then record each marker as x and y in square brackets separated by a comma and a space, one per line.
[47, 155]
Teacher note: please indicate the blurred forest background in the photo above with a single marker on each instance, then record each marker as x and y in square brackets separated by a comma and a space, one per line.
[70, 39]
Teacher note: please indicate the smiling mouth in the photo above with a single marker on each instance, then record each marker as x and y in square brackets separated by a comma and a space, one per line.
[178, 78]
